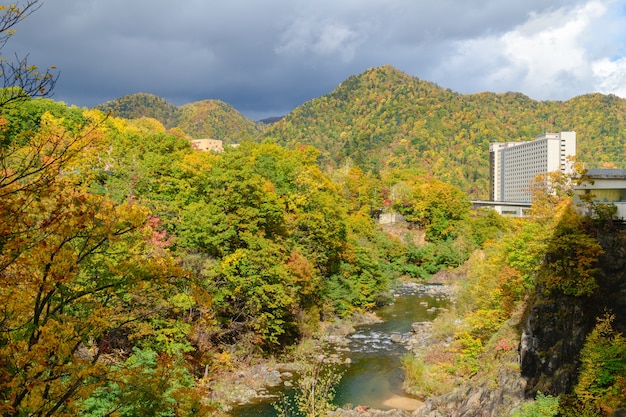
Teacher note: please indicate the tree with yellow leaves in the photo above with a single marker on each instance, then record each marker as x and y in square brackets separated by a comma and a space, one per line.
[82, 278]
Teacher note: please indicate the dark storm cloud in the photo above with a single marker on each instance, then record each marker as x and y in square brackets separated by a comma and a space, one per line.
[265, 58]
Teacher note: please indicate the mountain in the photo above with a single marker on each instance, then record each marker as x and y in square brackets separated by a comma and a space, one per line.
[271, 120]
[212, 119]
[215, 119]
[138, 105]
[384, 119]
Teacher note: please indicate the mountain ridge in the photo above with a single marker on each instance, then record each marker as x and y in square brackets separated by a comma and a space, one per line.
[385, 119]
[209, 118]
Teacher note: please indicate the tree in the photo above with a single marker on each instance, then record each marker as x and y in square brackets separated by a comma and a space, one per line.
[553, 190]
[602, 380]
[572, 256]
[82, 276]
[314, 391]
[437, 207]
[20, 79]
[253, 290]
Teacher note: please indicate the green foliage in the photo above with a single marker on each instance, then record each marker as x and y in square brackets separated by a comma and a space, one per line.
[253, 287]
[273, 231]
[604, 213]
[602, 379]
[147, 385]
[425, 260]
[524, 250]
[21, 120]
[437, 207]
[215, 119]
[136, 106]
[424, 379]
[211, 119]
[542, 406]
[358, 283]
[487, 225]
[571, 257]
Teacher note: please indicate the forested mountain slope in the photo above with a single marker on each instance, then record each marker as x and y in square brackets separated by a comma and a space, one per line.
[212, 119]
[384, 119]
[216, 120]
[138, 105]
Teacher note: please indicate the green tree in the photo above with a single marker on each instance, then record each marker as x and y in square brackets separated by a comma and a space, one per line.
[572, 256]
[542, 406]
[314, 392]
[146, 384]
[602, 379]
[437, 207]
[253, 290]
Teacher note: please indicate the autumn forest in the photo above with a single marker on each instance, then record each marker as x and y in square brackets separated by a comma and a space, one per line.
[135, 269]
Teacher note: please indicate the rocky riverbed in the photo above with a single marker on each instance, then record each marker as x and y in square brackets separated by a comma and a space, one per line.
[265, 381]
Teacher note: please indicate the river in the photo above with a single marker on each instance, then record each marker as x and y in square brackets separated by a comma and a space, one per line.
[375, 374]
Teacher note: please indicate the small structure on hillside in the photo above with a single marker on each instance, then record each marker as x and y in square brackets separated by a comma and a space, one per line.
[390, 217]
[214, 145]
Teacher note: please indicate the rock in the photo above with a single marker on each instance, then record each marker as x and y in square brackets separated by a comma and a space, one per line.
[421, 326]
[473, 402]
[552, 338]
[362, 411]
[397, 338]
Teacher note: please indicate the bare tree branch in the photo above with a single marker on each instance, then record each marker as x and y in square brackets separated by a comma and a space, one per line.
[21, 80]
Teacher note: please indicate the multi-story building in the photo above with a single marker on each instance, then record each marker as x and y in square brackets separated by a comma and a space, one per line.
[514, 165]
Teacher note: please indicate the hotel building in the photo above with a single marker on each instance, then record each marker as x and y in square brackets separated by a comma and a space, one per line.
[514, 165]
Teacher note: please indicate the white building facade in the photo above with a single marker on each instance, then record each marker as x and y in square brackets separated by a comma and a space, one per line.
[514, 165]
[602, 186]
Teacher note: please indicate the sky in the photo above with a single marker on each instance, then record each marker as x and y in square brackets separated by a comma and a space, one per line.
[266, 57]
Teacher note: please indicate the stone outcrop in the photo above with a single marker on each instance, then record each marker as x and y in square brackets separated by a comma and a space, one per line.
[554, 334]
[368, 412]
[486, 399]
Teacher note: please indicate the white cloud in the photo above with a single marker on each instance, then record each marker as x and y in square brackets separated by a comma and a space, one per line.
[554, 55]
[610, 76]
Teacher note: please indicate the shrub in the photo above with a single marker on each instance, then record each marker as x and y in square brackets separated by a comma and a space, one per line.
[543, 406]
[423, 379]
[602, 379]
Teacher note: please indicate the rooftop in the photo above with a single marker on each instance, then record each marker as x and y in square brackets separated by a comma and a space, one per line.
[606, 173]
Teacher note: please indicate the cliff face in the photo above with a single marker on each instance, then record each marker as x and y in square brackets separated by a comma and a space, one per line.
[554, 334]
[557, 325]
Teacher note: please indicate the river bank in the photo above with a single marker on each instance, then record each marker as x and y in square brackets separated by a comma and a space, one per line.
[266, 378]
